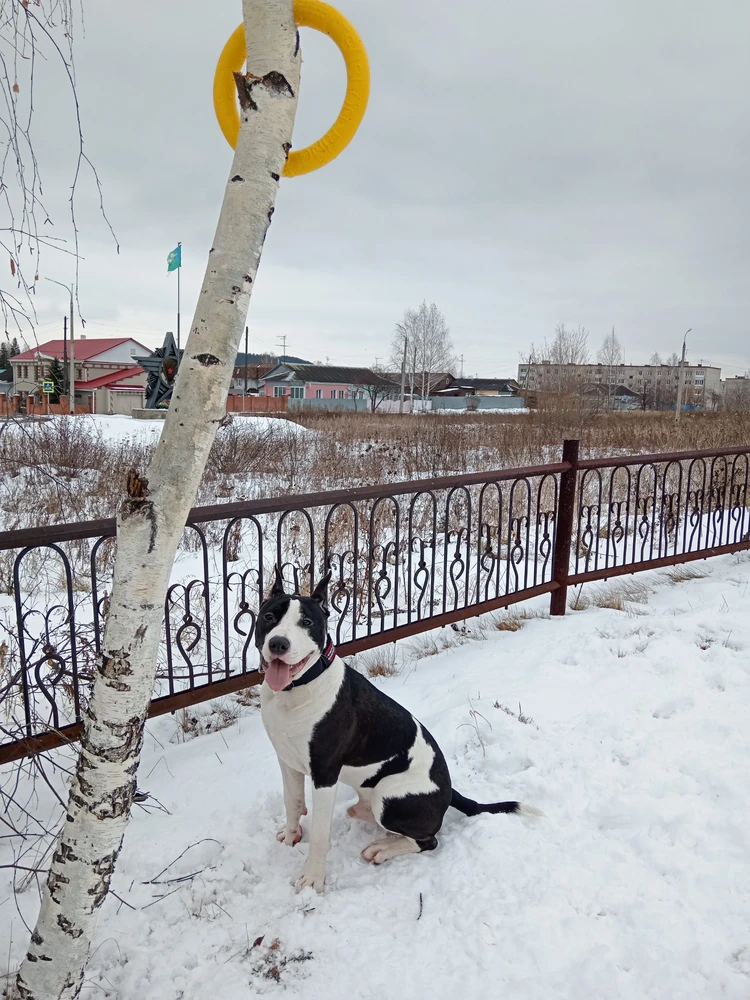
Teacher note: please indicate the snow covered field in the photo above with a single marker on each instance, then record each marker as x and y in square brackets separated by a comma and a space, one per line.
[633, 885]
[120, 428]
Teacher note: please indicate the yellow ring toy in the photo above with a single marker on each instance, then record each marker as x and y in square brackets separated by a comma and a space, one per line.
[322, 17]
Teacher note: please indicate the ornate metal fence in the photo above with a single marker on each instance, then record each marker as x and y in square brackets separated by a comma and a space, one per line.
[404, 557]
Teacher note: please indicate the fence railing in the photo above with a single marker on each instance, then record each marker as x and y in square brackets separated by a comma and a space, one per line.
[404, 557]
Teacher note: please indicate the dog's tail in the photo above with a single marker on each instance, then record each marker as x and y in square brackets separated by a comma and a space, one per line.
[471, 808]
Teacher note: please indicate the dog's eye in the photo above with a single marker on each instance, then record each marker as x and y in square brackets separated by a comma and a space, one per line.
[268, 617]
[305, 622]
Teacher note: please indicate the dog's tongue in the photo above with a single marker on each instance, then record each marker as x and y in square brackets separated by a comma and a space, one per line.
[278, 675]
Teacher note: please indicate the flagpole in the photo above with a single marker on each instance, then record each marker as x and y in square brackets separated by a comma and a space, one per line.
[179, 268]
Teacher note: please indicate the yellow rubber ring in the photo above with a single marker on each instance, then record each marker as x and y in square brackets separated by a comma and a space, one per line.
[322, 17]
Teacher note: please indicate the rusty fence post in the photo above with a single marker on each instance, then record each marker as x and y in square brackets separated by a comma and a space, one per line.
[566, 505]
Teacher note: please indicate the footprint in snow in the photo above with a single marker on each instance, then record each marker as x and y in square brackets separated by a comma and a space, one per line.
[672, 706]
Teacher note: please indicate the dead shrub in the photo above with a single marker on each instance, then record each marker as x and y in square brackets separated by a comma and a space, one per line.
[380, 662]
[509, 621]
[249, 697]
[578, 601]
[67, 469]
[239, 449]
[210, 718]
[526, 720]
[422, 646]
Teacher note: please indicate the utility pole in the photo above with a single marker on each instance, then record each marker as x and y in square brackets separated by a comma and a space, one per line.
[72, 376]
[680, 376]
[245, 396]
[403, 376]
[462, 366]
[71, 369]
[283, 347]
[65, 355]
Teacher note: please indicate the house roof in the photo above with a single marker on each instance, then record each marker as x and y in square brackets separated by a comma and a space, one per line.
[111, 378]
[597, 388]
[258, 359]
[501, 384]
[416, 377]
[84, 350]
[253, 371]
[285, 372]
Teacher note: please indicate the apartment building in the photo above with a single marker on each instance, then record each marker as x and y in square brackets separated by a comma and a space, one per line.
[656, 383]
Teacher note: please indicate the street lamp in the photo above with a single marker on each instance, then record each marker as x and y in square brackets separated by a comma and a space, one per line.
[678, 408]
[71, 374]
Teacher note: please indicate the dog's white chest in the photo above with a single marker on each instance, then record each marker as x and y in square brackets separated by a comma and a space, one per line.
[289, 717]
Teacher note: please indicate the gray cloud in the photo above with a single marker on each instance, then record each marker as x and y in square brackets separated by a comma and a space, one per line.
[520, 164]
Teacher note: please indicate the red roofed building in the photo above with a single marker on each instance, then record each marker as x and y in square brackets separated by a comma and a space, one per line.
[104, 368]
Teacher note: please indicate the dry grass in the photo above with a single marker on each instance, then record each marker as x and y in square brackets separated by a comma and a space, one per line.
[618, 595]
[380, 662]
[509, 621]
[512, 620]
[422, 646]
[63, 470]
[249, 697]
[209, 718]
[685, 572]
[526, 720]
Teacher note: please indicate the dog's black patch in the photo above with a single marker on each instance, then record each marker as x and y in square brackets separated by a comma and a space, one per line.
[362, 727]
[274, 609]
[396, 764]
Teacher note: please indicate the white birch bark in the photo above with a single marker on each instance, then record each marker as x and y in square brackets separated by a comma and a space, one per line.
[153, 515]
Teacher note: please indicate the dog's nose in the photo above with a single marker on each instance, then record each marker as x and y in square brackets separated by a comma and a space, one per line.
[279, 645]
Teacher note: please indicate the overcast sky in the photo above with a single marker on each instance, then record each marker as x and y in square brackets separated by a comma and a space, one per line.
[521, 163]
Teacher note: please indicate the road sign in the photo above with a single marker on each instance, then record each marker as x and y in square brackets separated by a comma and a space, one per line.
[48, 386]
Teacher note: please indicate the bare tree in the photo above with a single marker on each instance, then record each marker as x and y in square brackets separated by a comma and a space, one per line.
[153, 514]
[560, 358]
[429, 349]
[673, 360]
[570, 345]
[737, 394]
[654, 396]
[609, 356]
[531, 357]
[378, 387]
[30, 32]
[655, 359]
[610, 353]
[716, 400]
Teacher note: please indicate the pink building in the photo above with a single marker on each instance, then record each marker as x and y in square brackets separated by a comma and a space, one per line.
[320, 382]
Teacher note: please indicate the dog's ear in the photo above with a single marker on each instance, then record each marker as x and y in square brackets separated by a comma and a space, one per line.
[278, 583]
[320, 594]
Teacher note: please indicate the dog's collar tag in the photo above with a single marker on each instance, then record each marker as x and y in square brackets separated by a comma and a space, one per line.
[326, 659]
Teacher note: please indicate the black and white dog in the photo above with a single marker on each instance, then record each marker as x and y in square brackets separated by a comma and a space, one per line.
[327, 721]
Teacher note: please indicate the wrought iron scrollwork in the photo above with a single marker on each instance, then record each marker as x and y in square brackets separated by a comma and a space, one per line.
[402, 560]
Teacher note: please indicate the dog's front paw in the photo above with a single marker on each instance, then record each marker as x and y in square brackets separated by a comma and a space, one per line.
[290, 837]
[313, 878]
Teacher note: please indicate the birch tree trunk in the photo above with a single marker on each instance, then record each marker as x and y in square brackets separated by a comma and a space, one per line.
[152, 517]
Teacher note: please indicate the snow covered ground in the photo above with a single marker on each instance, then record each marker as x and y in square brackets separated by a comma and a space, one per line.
[121, 428]
[633, 885]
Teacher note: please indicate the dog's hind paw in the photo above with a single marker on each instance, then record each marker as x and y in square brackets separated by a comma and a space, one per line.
[383, 850]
